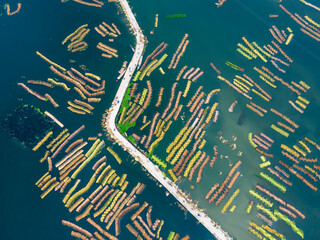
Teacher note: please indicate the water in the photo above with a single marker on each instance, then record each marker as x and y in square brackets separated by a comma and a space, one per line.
[213, 35]
[42, 27]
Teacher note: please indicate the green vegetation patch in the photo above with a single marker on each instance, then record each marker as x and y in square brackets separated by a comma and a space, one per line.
[124, 127]
[176, 16]
[132, 139]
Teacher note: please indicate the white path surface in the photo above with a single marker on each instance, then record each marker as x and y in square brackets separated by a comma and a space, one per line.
[214, 228]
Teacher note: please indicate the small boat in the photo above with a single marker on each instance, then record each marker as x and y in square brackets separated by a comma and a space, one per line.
[122, 70]
[139, 63]
[131, 48]
[121, 75]
[124, 65]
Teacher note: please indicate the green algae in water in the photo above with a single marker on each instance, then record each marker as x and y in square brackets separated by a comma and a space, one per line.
[27, 124]
[132, 140]
[124, 127]
[176, 16]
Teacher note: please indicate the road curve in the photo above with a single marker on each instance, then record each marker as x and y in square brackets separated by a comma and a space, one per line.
[207, 222]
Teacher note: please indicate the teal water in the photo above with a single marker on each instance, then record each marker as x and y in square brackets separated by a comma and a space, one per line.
[213, 35]
[42, 27]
